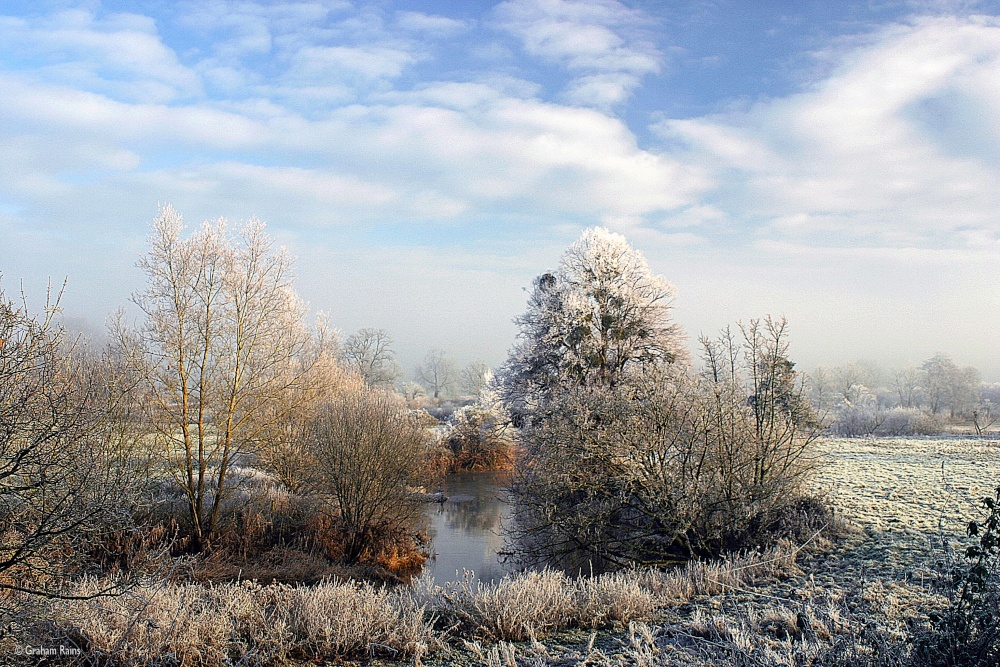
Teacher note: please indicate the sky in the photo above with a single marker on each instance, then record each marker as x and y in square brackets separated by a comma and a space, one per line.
[836, 163]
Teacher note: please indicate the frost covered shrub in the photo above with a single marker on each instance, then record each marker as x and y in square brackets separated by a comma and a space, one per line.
[667, 467]
[478, 440]
[478, 436]
[908, 421]
[854, 421]
[627, 454]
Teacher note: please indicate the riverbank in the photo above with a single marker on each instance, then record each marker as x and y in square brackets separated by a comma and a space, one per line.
[274, 624]
[832, 602]
[859, 601]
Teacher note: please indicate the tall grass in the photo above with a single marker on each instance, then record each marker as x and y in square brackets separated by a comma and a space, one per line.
[207, 625]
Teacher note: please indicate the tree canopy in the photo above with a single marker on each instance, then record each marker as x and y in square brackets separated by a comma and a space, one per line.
[601, 315]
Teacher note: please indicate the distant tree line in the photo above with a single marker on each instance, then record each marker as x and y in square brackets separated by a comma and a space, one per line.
[865, 399]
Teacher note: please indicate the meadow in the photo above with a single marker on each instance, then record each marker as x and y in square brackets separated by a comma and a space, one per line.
[859, 589]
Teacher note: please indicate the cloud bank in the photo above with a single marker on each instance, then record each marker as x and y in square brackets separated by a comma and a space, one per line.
[411, 157]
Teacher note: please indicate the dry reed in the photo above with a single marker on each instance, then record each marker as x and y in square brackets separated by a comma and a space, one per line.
[192, 624]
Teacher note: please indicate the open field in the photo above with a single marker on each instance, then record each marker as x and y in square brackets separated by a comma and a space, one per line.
[908, 486]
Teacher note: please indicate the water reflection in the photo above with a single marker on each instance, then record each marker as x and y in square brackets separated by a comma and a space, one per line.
[465, 530]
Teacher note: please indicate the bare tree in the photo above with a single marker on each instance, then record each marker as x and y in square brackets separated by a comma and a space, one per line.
[906, 383]
[368, 448]
[437, 373]
[284, 448]
[474, 377]
[851, 379]
[68, 466]
[369, 352]
[413, 392]
[949, 386]
[223, 338]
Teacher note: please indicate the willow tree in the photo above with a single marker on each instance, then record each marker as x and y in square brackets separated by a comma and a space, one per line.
[223, 340]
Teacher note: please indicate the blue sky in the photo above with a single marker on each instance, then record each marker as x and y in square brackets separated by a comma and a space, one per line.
[834, 162]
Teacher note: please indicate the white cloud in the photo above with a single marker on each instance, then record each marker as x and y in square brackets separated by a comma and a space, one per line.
[430, 23]
[856, 159]
[321, 63]
[119, 54]
[601, 89]
[442, 152]
[600, 41]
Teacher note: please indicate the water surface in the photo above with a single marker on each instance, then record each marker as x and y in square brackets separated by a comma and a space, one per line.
[465, 530]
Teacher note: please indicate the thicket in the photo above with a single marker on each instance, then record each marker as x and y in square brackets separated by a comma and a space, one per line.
[863, 400]
[71, 461]
[855, 421]
[630, 455]
[666, 467]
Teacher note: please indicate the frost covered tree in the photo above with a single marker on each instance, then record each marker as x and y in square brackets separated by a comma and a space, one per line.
[368, 447]
[369, 352]
[625, 455]
[223, 340]
[949, 386]
[70, 455]
[601, 316]
[475, 377]
[437, 373]
[669, 464]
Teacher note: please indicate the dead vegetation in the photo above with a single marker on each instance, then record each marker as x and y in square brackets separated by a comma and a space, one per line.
[216, 624]
[869, 599]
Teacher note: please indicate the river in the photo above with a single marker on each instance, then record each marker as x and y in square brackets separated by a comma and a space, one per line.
[465, 530]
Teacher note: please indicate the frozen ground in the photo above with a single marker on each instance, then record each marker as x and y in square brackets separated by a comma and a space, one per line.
[906, 485]
[908, 501]
[831, 602]
[909, 496]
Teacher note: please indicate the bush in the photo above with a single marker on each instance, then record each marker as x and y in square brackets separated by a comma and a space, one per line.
[667, 466]
[856, 421]
[478, 437]
[369, 448]
[968, 632]
[908, 421]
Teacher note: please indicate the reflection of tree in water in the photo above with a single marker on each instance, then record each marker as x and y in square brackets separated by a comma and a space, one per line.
[465, 530]
[473, 515]
[475, 504]
[425, 526]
